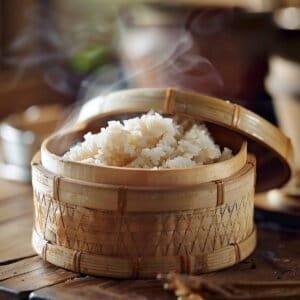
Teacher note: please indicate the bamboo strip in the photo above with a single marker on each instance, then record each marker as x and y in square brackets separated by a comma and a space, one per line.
[142, 267]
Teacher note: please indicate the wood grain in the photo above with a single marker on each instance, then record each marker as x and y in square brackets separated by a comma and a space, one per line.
[10, 189]
[272, 272]
[20, 267]
[91, 288]
[15, 238]
[277, 257]
[15, 207]
[44, 276]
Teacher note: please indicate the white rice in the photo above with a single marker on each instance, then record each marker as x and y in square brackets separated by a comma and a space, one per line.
[149, 141]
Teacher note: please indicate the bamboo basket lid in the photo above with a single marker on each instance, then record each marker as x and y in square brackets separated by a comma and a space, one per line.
[273, 150]
[55, 146]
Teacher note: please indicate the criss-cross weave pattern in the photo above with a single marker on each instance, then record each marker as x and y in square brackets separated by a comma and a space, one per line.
[187, 232]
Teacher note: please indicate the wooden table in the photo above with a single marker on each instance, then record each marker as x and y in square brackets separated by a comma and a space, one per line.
[23, 274]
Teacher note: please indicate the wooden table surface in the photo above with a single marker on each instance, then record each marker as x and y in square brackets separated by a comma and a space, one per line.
[24, 275]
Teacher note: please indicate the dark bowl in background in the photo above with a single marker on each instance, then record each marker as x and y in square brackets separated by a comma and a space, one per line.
[218, 51]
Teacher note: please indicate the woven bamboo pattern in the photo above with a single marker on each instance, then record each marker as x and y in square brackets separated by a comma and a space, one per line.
[115, 232]
[142, 267]
[187, 232]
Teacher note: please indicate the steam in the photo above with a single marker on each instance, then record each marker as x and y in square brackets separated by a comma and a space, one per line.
[53, 32]
[161, 57]
[186, 68]
[209, 21]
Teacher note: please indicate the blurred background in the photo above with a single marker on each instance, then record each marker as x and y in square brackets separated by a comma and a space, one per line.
[57, 55]
[66, 51]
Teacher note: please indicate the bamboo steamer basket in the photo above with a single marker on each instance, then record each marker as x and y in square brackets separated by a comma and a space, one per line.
[91, 220]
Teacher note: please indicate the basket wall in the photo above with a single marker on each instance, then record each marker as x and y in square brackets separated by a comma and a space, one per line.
[203, 229]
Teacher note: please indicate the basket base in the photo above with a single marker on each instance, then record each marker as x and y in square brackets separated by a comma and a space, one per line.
[142, 267]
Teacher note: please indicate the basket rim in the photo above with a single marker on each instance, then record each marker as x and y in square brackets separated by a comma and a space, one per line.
[36, 162]
[110, 197]
[45, 151]
[57, 165]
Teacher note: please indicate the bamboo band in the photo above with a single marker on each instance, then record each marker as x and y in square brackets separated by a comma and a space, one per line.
[46, 219]
[44, 250]
[252, 160]
[220, 192]
[204, 264]
[235, 116]
[169, 103]
[56, 182]
[289, 148]
[185, 264]
[237, 251]
[76, 261]
[136, 267]
[142, 267]
[122, 200]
